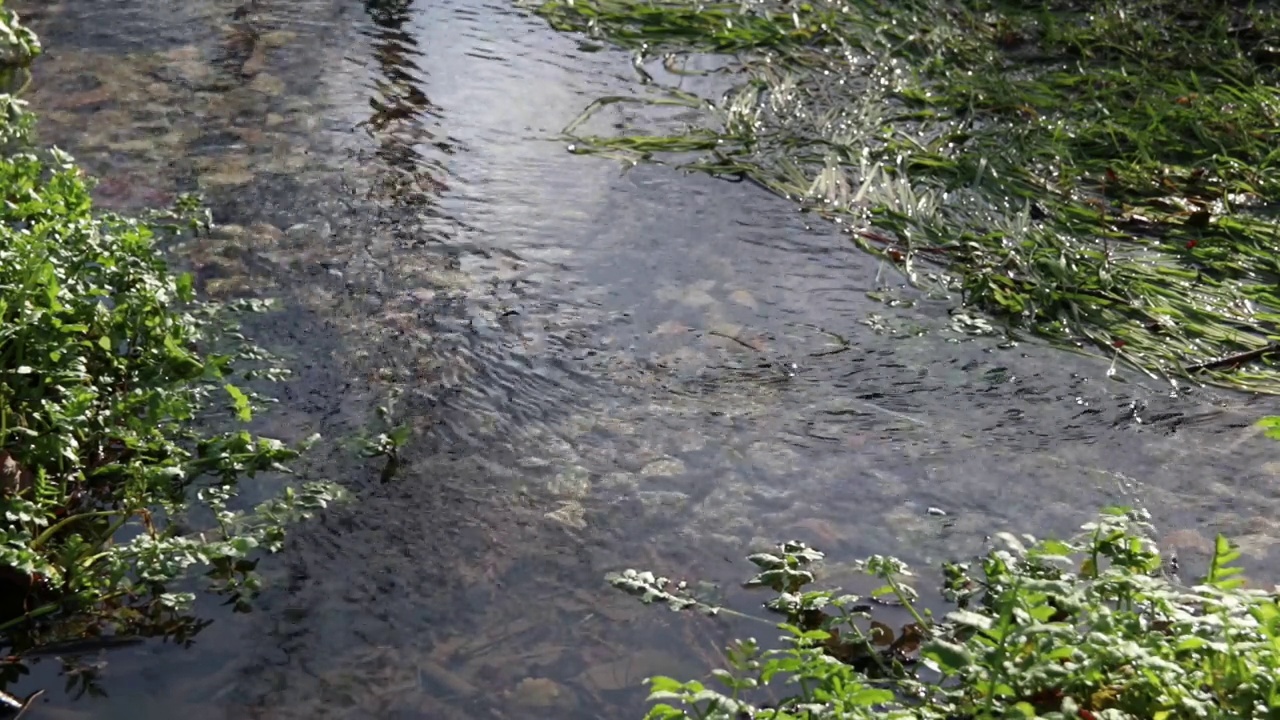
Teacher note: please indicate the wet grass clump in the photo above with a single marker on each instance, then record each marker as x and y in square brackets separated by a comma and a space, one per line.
[123, 400]
[1097, 626]
[1103, 175]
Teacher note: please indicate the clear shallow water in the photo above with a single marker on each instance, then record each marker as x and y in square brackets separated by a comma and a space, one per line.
[597, 366]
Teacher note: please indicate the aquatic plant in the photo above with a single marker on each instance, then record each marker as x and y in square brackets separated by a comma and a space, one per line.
[1098, 626]
[386, 444]
[122, 405]
[1097, 174]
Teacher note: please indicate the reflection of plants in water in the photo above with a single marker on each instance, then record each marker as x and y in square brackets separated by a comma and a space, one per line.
[385, 12]
[83, 678]
[400, 107]
[111, 373]
[1094, 626]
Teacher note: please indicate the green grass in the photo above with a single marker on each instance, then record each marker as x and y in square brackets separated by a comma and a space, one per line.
[1101, 175]
[1093, 627]
[123, 400]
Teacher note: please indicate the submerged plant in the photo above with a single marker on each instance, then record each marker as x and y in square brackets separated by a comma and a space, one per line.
[1101, 175]
[388, 442]
[1091, 627]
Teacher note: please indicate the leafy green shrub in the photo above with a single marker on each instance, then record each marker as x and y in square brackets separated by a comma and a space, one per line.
[1093, 627]
[111, 374]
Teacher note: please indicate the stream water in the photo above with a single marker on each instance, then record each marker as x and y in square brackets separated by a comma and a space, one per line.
[602, 369]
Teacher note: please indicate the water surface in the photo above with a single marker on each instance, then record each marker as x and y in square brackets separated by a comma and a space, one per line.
[603, 369]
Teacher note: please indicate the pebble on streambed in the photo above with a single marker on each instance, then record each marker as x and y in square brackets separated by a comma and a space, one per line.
[574, 482]
[663, 467]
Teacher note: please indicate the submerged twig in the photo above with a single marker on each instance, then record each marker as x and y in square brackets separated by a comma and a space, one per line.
[741, 342]
[1236, 359]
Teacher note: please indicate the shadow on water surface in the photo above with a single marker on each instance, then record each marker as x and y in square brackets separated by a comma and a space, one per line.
[601, 370]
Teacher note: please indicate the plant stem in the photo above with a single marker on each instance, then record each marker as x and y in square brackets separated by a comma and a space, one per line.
[64, 522]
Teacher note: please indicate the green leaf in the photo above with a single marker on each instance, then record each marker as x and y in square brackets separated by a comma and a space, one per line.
[663, 711]
[49, 275]
[240, 402]
[766, 561]
[1270, 426]
[970, 618]
[1191, 643]
[1220, 574]
[869, 697]
[184, 284]
[1268, 615]
[1061, 653]
[662, 683]
[400, 435]
[104, 342]
[950, 658]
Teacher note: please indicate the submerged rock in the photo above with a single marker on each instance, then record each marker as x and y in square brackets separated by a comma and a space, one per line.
[619, 482]
[230, 174]
[570, 514]
[572, 482]
[267, 84]
[662, 500]
[542, 693]
[304, 231]
[773, 458]
[744, 298]
[663, 467]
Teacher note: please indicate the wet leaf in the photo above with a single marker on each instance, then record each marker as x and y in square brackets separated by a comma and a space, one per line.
[950, 658]
[910, 638]
[969, 618]
[240, 402]
[781, 580]
[766, 561]
[869, 697]
[1270, 426]
[881, 634]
